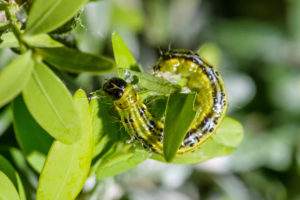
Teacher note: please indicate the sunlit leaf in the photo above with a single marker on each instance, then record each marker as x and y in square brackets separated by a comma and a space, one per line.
[34, 141]
[105, 126]
[40, 40]
[179, 116]
[120, 162]
[223, 142]
[48, 15]
[8, 40]
[67, 165]
[113, 155]
[51, 104]
[14, 77]
[7, 189]
[14, 177]
[123, 57]
[73, 60]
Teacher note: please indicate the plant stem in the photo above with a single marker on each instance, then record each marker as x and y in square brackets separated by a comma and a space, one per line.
[13, 21]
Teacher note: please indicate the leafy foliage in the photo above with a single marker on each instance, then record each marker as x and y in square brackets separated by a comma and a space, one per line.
[67, 139]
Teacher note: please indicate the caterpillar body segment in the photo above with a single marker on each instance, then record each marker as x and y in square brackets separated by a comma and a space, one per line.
[187, 69]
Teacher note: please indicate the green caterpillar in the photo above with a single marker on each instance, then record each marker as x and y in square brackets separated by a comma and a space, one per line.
[182, 67]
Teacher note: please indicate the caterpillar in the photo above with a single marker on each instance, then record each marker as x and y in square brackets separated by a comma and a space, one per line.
[182, 67]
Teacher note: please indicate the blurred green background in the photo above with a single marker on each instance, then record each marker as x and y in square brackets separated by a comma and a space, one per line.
[256, 46]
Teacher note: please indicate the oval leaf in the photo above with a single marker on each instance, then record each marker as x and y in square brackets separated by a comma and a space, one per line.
[106, 131]
[67, 166]
[123, 57]
[179, 116]
[14, 77]
[120, 162]
[34, 141]
[51, 104]
[228, 136]
[48, 15]
[7, 189]
[13, 175]
[112, 154]
[72, 60]
[8, 40]
[41, 40]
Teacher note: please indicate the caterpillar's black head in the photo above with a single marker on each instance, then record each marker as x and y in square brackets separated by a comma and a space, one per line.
[115, 87]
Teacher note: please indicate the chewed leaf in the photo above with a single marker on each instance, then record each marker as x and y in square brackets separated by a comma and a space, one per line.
[223, 142]
[67, 165]
[123, 57]
[51, 104]
[14, 77]
[46, 16]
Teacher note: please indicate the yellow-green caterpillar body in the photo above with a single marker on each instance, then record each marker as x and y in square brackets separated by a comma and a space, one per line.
[187, 69]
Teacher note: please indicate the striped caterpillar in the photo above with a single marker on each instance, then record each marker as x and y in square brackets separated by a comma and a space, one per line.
[182, 67]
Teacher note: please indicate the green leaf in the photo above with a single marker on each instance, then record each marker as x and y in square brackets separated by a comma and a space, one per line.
[149, 82]
[156, 105]
[120, 162]
[179, 116]
[112, 153]
[48, 15]
[106, 128]
[73, 60]
[14, 177]
[41, 40]
[123, 57]
[228, 136]
[7, 189]
[67, 166]
[14, 77]
[5, 119]
[33, 140]
[51, 104]
[8, 40]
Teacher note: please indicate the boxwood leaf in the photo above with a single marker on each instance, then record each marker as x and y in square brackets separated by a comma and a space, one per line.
[14, 177]
[67, 165]
[120, 162]
[34, 141]
[51, 104]
[48, 15]
[106, 127]
[123, 57]
[40, 40]
[7, 189]
[179, 116]
[14, 77]
[228, 136]
[73, 60]
[8, 40]
[113, 155]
